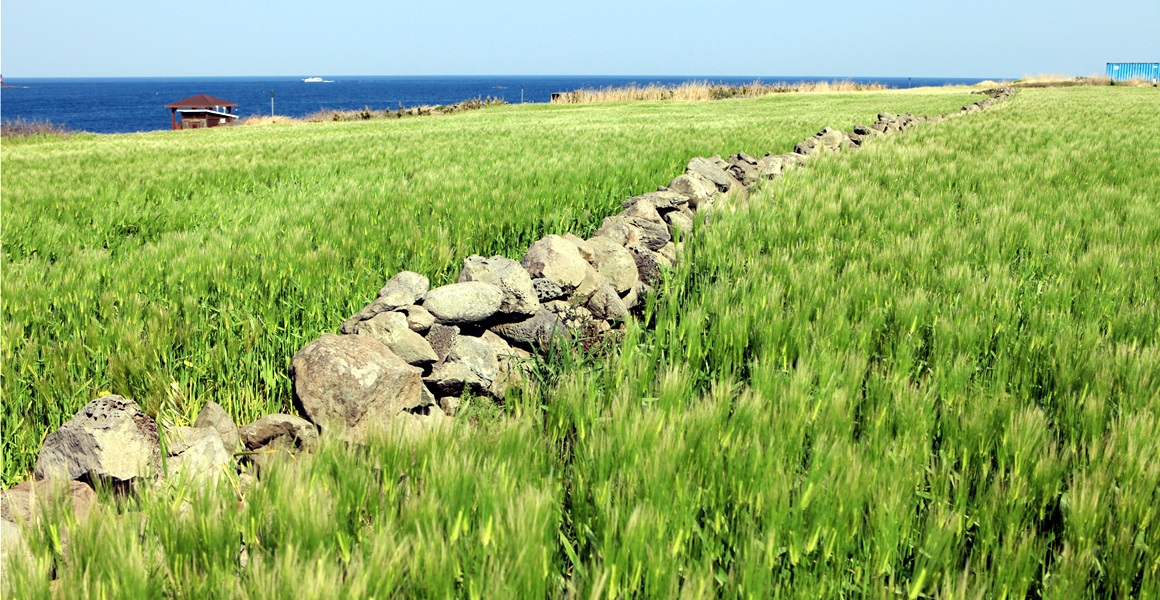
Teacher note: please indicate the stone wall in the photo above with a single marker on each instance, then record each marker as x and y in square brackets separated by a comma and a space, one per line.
[402, 364]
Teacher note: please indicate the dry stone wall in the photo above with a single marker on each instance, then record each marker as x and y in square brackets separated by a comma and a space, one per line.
[402, 364]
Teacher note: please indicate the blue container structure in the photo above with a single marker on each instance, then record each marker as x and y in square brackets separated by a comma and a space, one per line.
[1126, 71]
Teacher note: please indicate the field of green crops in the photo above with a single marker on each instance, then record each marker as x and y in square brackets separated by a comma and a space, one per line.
[930, 368]
[180, 268]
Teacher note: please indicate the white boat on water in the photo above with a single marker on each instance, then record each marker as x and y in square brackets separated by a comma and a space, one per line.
[314, 80]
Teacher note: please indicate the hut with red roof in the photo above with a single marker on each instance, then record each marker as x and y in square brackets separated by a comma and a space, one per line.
[202, 111]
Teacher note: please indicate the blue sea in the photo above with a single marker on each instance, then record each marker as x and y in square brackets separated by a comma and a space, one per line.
[123, 105]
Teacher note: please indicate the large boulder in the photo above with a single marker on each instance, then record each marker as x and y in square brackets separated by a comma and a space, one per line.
[511, 363]
[606, 304]
[744, 168]
[12, 545]
[197, 454]
[402, 290]
[643, 208]
[663, 201]
[212, 415]
[648, 264]
[534, 332]
[441, 337]
[275, 437]
[464, 303]
[698, 190]
[709, 170]
[519, 296]
[353, 383]
[614, 262]
[419, 319]
[392, 329]
[26, 502]
[110, 440]
[471, 365]
[557, 259]
[581, 245]
[628, 231]
[679, 221]
[547, 290]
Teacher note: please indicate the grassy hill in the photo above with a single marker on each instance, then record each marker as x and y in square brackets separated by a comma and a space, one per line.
[930, 368]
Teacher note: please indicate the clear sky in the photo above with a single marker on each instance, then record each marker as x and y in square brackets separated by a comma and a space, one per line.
[888, 38]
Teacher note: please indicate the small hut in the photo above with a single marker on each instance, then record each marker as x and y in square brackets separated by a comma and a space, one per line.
[202, 111]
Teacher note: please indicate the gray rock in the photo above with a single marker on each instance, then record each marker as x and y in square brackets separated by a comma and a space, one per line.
[810, 146]
[404, 289]
[648, 264]
[769, 166]
[12, 545]
[497, 343]
[663, 200]
[699, 191]
[519, 296]
[606, 304]
[510, 361]
[441, 337]
[472, 366]
[743, 168]
[450, 405]
[547, 290]
[581, 245]
[419, 319]
[628, 231]
[536, 332]
[711, 171]
[214, 416]
[679, 221]
[197, 454]
[669, 254]
[276, 437]
[392, 329]
[635, 296]
[421, 422]
[27, 502]
[577, 319]
[615, 262]
[645, 209]
[464, 303]
[790, 160]
[110, 439]
[592, 282]
[353, 384]
[557, 259]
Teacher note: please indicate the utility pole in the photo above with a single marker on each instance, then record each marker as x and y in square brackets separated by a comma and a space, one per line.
[271, 103]
[521, 93]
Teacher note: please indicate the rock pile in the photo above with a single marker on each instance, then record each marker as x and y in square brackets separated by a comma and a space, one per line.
[404, 361]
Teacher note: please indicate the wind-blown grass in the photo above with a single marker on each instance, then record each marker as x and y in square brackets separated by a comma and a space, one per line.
[177, 269]
[700, 91]
[926, 369]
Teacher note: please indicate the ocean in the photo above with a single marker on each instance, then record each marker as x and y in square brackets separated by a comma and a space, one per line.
[124, 105]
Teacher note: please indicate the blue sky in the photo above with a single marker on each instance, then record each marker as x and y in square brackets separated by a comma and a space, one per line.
[889, 38]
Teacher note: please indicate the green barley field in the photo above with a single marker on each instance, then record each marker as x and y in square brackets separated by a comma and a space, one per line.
[927, 369]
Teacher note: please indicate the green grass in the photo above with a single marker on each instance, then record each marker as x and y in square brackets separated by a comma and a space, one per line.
[927, 369]
[181, 268]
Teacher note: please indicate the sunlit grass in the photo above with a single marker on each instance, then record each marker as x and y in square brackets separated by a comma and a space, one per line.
[177, 268]
[930, 368]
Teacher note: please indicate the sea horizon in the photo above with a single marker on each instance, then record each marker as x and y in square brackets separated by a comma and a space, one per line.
[135, 104]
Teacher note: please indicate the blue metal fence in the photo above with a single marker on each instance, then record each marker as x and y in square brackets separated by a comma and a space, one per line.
[1126, 71]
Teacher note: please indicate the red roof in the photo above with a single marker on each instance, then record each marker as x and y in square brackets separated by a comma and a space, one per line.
[200, 101]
